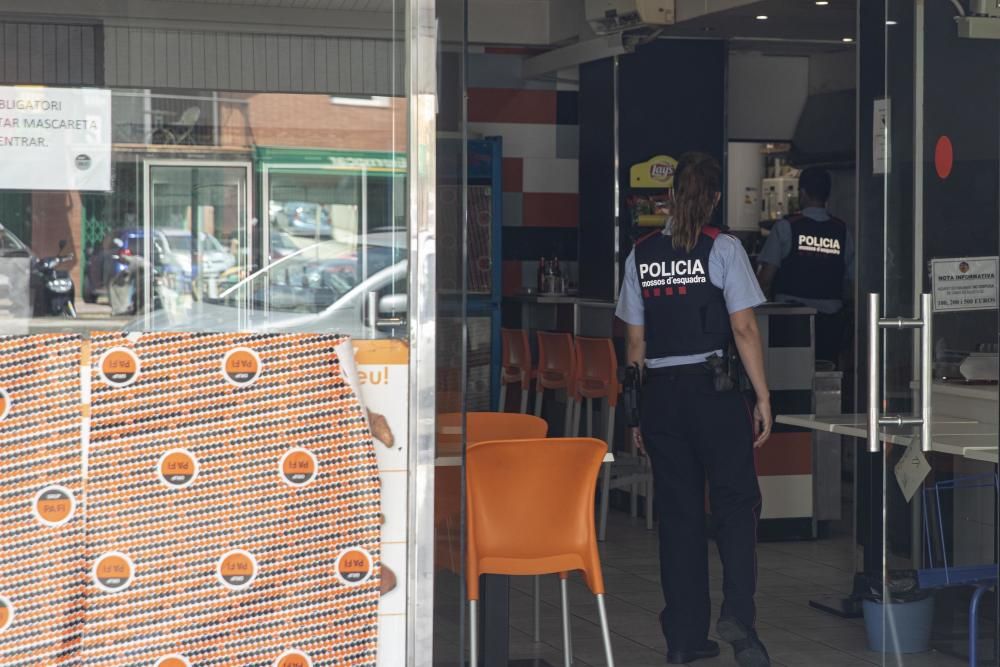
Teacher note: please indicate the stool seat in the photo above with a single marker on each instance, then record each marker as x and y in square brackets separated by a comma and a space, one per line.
[555, 379]
[515, 366]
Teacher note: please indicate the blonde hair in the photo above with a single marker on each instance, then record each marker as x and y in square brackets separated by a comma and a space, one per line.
[697, 184]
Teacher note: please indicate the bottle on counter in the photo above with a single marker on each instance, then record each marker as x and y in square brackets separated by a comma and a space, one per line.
[541, 274]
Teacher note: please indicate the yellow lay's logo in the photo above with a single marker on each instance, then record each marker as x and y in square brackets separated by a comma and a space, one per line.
[241, 367]
[293, 659]
[4, 404]
[54, 506]
[354, 566]
[177, 468]
[113, 572]
[6, 613]
[298, 467]
[237, 570]
[119, 367]
[173, 660]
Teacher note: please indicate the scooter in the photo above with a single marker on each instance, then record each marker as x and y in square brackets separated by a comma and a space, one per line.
[53, 288]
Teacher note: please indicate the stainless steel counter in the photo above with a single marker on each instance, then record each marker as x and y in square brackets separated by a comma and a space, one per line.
[580, 316]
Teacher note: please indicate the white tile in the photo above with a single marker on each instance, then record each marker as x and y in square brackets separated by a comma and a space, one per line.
[551, 174]
[786, 496]
[521, 139]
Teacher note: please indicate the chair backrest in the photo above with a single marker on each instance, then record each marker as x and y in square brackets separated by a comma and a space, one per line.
[481, 426]
[516, 352]
[189, 117]
[530, 508]
[555, 353]
[596, 361]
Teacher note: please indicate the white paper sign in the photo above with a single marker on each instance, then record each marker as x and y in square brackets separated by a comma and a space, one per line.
[964, 283]
[880, 137]
[912, 470]
[55, 138]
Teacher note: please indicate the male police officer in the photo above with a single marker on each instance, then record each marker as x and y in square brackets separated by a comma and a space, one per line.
[808, 259]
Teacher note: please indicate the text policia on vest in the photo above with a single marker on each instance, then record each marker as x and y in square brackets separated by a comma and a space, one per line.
[676, 272]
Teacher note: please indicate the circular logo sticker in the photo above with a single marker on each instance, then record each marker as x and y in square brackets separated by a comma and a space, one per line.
[237, 570]
[177, 468]
[241, 367]
[113, 572]
[4, 404]
[83, 162]
[293, 659]
[298, 467]
[354, 566]
[54, 505]
[6, 613]
[119, 367]
[173, 660]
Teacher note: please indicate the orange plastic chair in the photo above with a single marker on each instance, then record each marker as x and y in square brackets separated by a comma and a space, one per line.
[479, 427]
[515, 366]
[556, 370]
[596, 379]
[530, 507]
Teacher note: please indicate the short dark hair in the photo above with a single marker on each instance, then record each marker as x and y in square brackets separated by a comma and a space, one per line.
[816, 182]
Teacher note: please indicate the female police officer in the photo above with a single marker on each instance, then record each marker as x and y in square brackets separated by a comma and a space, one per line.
[690, 291]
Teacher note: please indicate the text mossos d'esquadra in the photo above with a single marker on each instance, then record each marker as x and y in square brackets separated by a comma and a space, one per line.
[676, 272]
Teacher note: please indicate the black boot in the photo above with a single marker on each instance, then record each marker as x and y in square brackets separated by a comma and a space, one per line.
[709, 650]
[747, 647]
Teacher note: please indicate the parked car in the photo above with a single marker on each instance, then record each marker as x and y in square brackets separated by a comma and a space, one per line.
[304, 219]
[294, 294]
[115, 269]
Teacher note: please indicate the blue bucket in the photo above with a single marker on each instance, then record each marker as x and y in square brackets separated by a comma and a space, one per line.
[905, 628]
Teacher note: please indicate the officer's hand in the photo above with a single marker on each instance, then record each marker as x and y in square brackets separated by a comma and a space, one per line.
[762, 422]
[637, 440]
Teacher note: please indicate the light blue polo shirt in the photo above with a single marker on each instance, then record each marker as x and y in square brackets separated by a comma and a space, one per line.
[779, 246]
[728, 268]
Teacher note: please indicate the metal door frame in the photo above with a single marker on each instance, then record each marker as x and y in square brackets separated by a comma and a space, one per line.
[147, 212]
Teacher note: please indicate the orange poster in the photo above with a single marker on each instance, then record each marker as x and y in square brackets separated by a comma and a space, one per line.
[233, 504]
[42, 564]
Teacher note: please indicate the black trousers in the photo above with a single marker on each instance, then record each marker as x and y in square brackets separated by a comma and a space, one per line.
[694, 434]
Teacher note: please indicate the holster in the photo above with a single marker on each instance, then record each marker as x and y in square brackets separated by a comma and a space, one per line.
[630, 378]
[721, 379]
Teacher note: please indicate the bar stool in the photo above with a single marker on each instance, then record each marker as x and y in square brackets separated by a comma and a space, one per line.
[556, 370]
[529, 511]
[515, 366]
[596, 379]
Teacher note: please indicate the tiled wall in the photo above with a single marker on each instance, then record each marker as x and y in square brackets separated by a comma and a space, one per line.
[541, 142]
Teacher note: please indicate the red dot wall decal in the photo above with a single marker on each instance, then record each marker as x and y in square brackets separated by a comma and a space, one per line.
[944, 157]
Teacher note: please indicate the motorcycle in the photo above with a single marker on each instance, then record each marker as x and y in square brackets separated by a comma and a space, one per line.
[52, 287]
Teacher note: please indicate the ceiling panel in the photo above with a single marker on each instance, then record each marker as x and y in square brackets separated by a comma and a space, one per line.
[793, 20]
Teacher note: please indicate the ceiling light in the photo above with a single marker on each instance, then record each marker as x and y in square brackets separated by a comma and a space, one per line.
[847, 40]
[891, 22]
[761, 17]
[822, 3]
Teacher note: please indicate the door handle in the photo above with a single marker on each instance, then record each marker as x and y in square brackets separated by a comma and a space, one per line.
[875, 325]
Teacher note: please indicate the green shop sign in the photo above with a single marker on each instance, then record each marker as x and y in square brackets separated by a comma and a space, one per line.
[311, 159]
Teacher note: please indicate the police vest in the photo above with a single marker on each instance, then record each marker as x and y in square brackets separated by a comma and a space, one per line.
[814, 269]
[684, 313]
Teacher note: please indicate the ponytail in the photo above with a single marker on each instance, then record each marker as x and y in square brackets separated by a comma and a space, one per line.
[697, 184]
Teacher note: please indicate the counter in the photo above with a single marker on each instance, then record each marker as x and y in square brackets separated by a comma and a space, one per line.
[560, 312]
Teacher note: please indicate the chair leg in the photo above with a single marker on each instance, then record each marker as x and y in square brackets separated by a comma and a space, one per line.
[602, 525]
[567, 636]
[605, 632]
[575, 427]
[473, 634]
[538, 401]
[974, 624]
[590, 418]
[537, 604]
[525, 392]
[502, 403]
[570, 411]
[649, 505]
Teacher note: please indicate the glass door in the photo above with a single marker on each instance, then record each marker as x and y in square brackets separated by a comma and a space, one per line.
[196, 235]
[932, 336]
